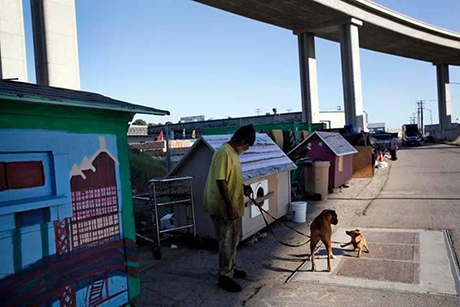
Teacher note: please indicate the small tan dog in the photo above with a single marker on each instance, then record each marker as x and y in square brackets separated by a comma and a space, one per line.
[358, 240]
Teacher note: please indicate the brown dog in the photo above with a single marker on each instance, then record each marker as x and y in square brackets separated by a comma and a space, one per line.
[321, 229]
[358, 240]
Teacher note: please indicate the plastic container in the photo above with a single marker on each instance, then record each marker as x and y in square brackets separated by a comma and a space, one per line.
[316, 178]
[321, 171]
[299, 211]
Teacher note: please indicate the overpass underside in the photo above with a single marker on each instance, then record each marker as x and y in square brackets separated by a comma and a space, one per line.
[354, 24]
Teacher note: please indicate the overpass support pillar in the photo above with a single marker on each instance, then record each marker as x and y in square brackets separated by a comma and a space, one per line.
[308, 78]
[351, 74]
[12, 41]
[444, 103]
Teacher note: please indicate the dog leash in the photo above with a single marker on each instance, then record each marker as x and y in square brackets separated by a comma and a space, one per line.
[262, 211]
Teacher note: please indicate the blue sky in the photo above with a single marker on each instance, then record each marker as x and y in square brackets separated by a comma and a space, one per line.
[196, 60]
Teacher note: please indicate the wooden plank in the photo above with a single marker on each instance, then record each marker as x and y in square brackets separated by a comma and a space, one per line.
[363, 166]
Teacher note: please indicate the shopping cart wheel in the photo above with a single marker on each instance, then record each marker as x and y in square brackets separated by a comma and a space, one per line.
[156, 252]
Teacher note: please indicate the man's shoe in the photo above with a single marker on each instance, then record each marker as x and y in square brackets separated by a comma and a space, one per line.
[228, 284]
[239, 274]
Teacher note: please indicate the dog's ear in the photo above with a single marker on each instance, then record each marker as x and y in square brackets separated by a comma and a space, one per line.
[357, 230]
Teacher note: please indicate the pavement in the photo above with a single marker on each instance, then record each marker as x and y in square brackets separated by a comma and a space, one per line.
[418, 194]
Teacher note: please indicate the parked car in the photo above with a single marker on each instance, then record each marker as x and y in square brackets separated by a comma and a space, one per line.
[411, 135]
[385, 143]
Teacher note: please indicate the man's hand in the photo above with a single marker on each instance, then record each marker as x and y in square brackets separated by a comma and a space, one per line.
[247, 190]
[232, 213]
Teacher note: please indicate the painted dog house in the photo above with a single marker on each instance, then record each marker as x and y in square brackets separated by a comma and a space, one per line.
[265, 167]
[332, 147]
[66, 217]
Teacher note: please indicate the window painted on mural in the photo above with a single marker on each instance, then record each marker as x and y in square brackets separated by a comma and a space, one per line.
[25, 175]
[21, 175]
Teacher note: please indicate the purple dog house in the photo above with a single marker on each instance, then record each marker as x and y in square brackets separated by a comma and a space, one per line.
[332, 147]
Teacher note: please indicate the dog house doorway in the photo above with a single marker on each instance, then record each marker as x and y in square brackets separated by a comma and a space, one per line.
[260, 190]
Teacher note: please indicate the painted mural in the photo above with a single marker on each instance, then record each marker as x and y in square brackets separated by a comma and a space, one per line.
[61, 232]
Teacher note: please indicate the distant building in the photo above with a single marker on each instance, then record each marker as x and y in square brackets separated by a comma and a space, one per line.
[193, 129]
[332, 119]
[192, 119]
[137, 134]
[376, 127]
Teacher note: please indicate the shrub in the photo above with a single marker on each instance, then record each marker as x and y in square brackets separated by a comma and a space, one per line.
[143, 168]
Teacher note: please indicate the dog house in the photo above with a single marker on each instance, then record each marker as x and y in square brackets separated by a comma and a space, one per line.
[66, 215]
[265, 167]
[332, 147]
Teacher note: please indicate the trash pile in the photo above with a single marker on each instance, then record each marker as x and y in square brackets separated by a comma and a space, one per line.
[380, 161]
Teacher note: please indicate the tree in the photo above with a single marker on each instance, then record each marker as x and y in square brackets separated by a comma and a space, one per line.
[140, 122]
[168, 123]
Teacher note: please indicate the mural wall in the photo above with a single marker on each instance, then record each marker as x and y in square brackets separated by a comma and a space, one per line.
[61, 234]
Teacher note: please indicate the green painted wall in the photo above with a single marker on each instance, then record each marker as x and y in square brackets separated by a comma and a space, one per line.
[16, 115]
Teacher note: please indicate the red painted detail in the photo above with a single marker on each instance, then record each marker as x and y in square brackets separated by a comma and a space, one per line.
[62, 236]
[21, 175]
[104, 176]
[96, 289]
[95, 214]
[3, 181]
[133, 271]
[42, 282]
[108, 298]
[67, 296]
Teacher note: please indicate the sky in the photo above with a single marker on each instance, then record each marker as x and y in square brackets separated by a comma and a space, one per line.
[192, 59]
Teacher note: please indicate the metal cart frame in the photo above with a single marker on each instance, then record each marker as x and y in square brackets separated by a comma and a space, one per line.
[154, 198]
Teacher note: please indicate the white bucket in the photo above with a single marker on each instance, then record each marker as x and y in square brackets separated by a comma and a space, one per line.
[299, 211]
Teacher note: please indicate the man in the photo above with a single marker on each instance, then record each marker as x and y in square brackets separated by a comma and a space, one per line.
[224, 201]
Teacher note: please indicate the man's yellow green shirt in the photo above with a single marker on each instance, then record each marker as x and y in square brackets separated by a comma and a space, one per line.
[225, 165]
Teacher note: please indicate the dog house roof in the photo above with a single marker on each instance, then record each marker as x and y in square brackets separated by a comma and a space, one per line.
[264, 158]
[40, 94]
[337, 143]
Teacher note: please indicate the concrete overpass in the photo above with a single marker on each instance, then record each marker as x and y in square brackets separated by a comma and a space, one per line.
[354, 24]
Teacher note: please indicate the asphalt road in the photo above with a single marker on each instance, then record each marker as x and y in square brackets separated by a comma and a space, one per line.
[421, 190]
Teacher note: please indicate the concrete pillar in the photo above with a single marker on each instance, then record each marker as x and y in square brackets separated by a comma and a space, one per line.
[351, 74]
[308, 78]
[444, 103]
[12, 41]
[55, 43]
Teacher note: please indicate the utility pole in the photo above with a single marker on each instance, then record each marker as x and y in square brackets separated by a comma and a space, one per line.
[288, 110]
[168, 150]
[421, 116]
[258, 111]
[420, 113]
[412, 119]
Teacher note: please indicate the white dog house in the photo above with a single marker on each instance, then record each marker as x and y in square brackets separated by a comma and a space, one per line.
[265, 167]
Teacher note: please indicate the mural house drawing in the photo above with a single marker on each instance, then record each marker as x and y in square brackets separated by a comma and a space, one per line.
[66, 223]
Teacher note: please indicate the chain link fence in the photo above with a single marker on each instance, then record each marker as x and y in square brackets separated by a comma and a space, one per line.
[144, 167]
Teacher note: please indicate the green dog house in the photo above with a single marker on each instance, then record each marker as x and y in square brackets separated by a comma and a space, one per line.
[66, 216]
